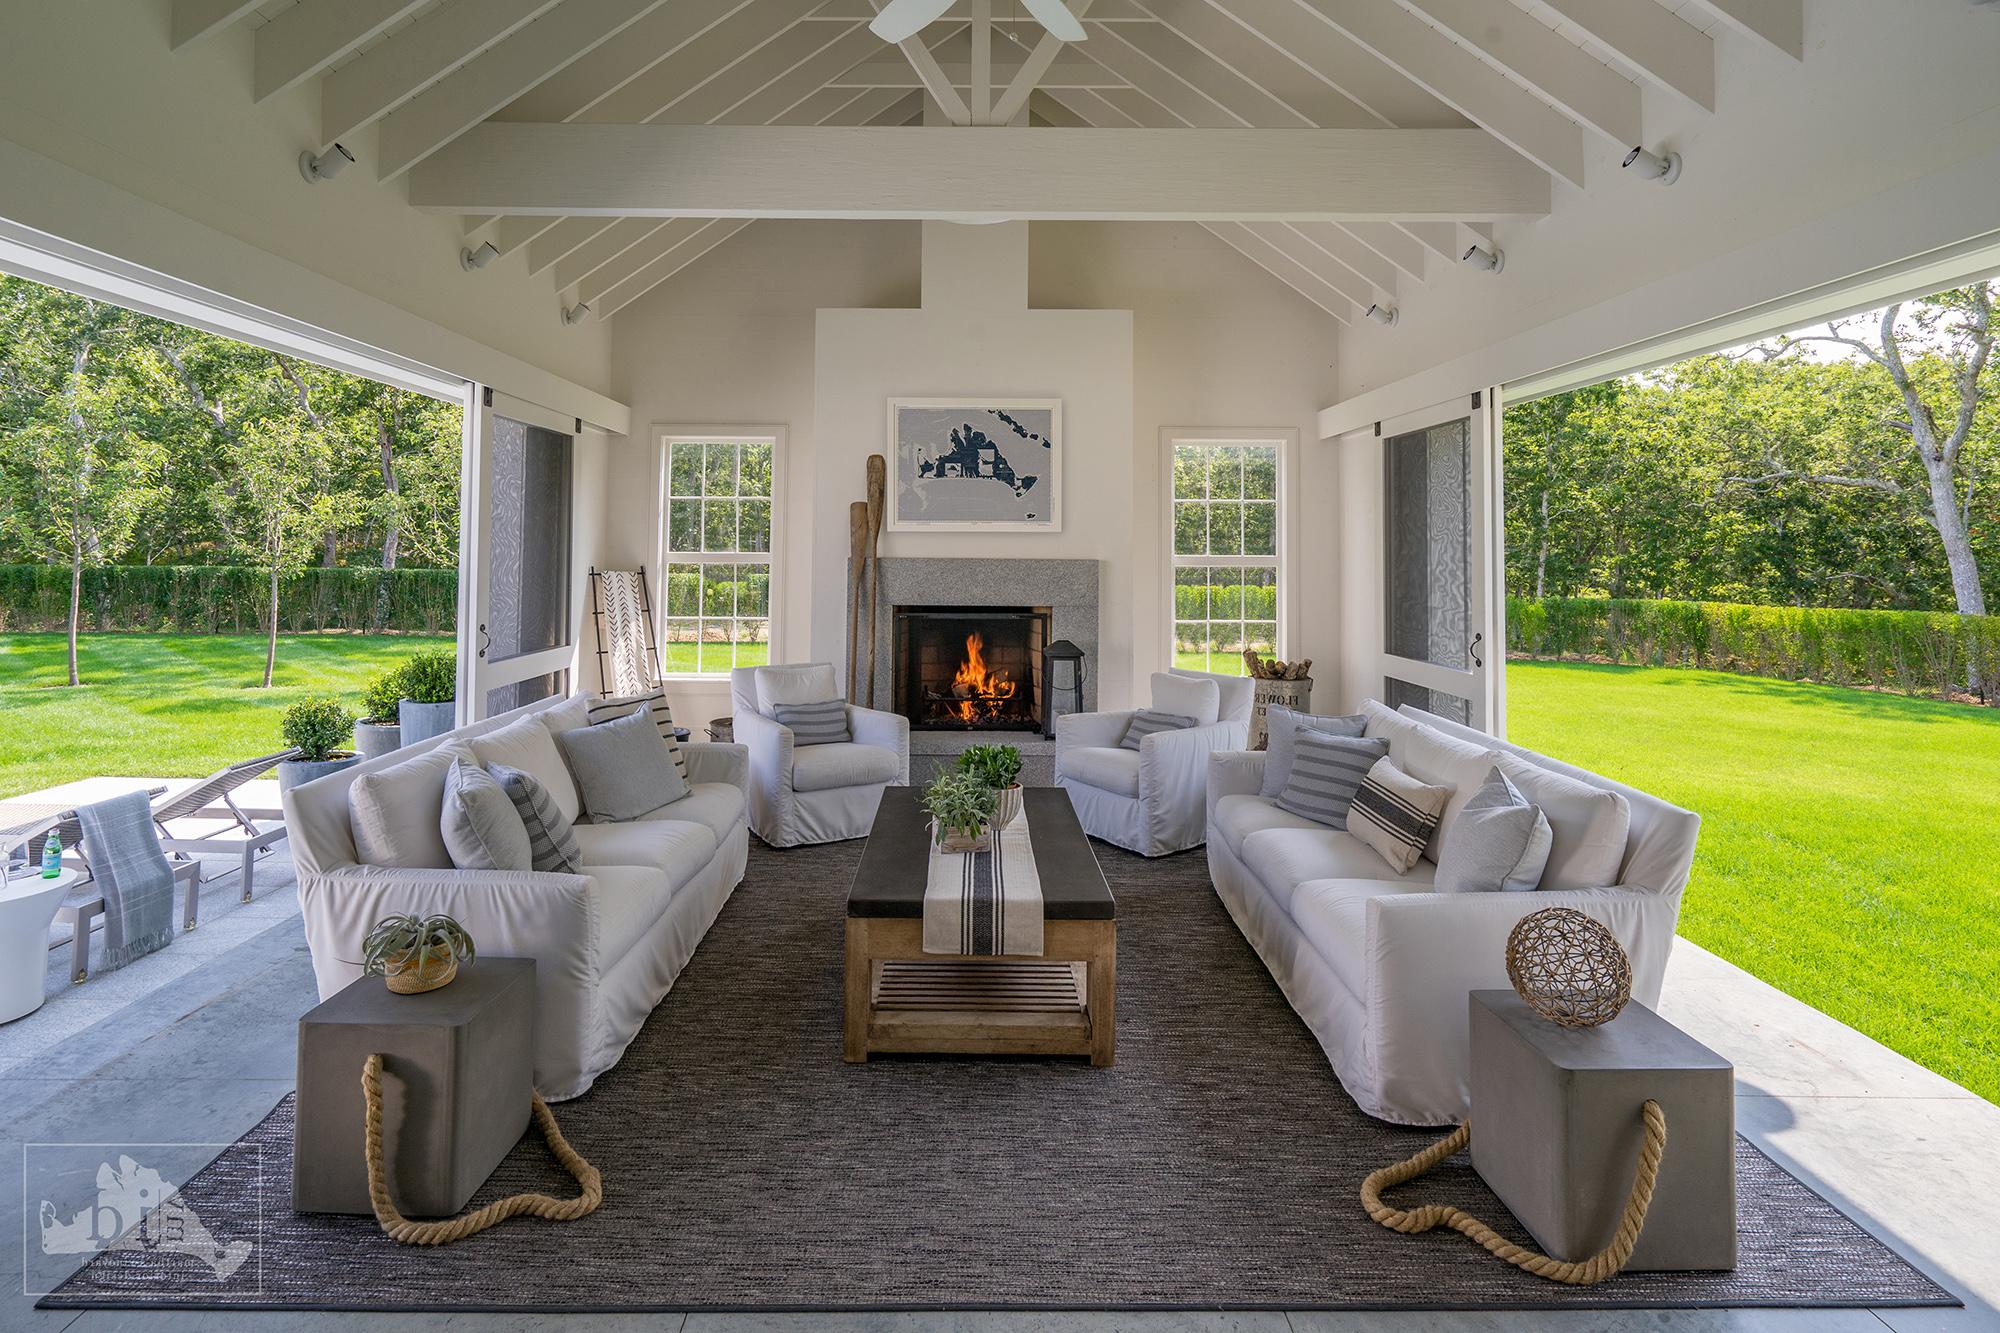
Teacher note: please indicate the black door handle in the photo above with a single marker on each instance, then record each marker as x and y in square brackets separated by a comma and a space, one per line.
[1472, 651]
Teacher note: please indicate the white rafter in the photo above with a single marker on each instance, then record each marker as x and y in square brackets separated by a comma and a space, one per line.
[659, 36]
[1780, 23]
[1247, 56]
[935, 83]
[1033, 70]
[1300, 36]
[1664, 48]
[193, 19]
[383, 77]
[309, 37]
[455, 104]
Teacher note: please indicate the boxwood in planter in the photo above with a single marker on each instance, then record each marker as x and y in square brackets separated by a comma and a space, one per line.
[318, 727]
[430, 692]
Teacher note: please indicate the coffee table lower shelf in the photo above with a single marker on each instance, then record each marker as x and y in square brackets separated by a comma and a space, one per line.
[901, 1000]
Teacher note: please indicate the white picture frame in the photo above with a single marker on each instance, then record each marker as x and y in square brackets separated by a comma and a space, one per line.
[925, 433]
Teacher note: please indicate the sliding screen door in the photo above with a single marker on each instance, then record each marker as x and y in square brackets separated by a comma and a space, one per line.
[517, 636]
[1441, 640]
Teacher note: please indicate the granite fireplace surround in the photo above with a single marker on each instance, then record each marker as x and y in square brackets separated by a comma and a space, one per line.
[1068, 588]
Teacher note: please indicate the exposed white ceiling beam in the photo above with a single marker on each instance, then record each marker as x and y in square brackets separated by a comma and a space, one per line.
[1246, 101]
[772, 91]
[1070, 71]
[1392, 243]
[1241, 52]
[1339, 245]
[935, 83]
[1033, 70]
[1663, 47]
[585, 82]
[380, 79]
[1285, 269]
[1300, 36]
[785, 171]
[606, 246]
[456, 103]
[1288, 242]
[305, 39]
[1781, 23]
[1114, 11]
[663, 268]
[609, 277]
[979, 97]
[193, 19]
[1189, 102]
[510, 234]
[1455, 75]
[702, 71]
[1440, 238]
[1569, 78]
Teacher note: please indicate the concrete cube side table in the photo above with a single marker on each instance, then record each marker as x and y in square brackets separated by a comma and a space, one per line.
[457, 1087]
[1556, 1131]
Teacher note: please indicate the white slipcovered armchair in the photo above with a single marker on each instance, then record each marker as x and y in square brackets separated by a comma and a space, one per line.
[1152, 800]
[817, 793]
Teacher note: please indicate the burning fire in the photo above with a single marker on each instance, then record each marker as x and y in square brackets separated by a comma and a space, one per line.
[978, 691]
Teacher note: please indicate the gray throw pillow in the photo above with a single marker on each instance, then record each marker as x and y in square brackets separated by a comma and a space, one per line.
[823, 723]
[621, 769]
[1282, 724]
[482, 829]
[551, 841]
[1326, 773]
[1149, 720]
[1499, 842]
[609, 708]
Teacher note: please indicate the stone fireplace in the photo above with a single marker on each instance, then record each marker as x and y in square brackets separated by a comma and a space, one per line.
[970, 668]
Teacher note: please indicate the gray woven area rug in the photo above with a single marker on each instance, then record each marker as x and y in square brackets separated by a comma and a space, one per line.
[746, 1167]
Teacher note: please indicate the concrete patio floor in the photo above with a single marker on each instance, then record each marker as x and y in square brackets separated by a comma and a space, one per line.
[195, 1045]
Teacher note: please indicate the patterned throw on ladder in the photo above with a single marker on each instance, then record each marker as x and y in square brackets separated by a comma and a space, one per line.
[622, 596]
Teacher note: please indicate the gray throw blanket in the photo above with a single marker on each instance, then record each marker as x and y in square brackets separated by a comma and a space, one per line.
[132, 872]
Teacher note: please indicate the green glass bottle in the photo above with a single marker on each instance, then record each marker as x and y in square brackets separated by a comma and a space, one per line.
[52, 856]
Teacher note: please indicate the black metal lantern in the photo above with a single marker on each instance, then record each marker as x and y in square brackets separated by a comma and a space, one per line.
[1062, 650]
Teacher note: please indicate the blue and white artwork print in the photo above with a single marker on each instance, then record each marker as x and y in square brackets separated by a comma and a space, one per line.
[963, 464]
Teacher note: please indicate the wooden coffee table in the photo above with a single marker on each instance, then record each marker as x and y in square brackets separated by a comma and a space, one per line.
[901, 999]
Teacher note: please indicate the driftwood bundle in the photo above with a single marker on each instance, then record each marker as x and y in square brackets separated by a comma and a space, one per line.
[1269, 668]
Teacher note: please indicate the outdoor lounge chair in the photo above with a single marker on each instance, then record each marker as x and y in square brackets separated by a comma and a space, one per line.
[218, 786]
[86, 904]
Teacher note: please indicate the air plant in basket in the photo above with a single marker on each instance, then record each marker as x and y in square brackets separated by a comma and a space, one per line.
[961, 808]
[415, 954]
[999, 767]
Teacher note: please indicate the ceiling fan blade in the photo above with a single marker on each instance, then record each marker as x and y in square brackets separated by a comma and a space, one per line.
[901, 20]
[1055, 16]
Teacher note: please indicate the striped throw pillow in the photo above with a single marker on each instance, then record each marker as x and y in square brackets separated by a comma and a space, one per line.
[814, 724]
[1395, 814]
[609, 708]
[1326, 772]
[1149, 720]
[551, 842]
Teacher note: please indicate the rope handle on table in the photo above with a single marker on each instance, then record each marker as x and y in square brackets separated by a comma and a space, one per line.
[1577, 1273]
[402, 1229]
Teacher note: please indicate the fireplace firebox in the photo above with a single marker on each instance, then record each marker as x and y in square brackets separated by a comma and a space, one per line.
[971, 668]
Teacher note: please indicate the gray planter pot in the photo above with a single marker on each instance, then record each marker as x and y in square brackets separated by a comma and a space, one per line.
[372, 740]
[297, 772]
[423, 721]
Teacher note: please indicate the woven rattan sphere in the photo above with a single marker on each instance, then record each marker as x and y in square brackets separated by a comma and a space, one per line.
[1569, 969]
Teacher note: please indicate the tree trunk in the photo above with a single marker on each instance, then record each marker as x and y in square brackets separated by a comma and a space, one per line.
[75, 606]
[1542, 548]
[271, 638]
[1959, 558]
[385, 437]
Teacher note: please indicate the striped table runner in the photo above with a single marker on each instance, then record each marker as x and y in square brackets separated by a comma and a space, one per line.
[985, 903]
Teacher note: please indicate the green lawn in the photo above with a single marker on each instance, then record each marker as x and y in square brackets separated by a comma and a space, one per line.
[159, 705]
[1850, 841]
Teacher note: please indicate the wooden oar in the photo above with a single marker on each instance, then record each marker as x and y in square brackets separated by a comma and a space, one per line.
[857, 553]
[878, 498]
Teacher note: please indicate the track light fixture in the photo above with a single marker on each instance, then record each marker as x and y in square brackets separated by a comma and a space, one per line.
[1489, 261]
[576, 314]
[1651, 166]
[1385, 315]
[470, 259]
[316, 167]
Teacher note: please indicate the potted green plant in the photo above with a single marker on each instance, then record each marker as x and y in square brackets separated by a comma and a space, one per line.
[430, 690]
[318, 727]
[380, 729]
[999, 767]
[961, 809]
[415, 954]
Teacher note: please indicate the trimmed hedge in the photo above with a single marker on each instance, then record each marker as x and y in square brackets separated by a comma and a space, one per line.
[1260, 601]
[1915, 652]
[229, 599]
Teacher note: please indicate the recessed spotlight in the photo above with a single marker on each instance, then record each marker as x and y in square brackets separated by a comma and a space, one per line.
[470, 259]
[316, 167]
[1651, 166]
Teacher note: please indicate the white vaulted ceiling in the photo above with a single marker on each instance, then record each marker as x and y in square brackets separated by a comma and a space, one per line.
[1342, 145]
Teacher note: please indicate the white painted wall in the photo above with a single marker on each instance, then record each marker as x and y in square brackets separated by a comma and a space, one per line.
[1210, 340]
[111, 140]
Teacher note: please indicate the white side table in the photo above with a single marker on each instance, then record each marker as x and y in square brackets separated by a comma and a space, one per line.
[27, 908]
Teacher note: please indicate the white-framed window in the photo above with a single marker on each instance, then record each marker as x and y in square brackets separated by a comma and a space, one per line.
[1226, 537]
[719, 496]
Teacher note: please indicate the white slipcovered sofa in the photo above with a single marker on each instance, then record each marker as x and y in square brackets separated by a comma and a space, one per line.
[817, 793]
[1377, 964]
[1152, 800]
[607, 943]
